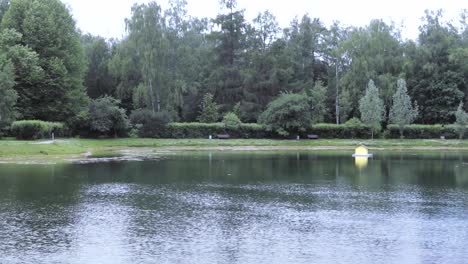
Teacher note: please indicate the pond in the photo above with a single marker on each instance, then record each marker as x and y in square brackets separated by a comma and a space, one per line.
[239, 207]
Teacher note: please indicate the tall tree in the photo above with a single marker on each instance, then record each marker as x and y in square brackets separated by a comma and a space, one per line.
[372, 108]
[461, 121]
[98, 80]
[333, 54]
[229, 45]
[146, 32]
[373, 52]
[434, 81]
[402, 112]
[4, 5]
[26, 70]
[47, 27]
[8, 95]
[304, 40]
[317, 97]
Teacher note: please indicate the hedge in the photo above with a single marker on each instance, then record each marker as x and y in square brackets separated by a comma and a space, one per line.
[204, 130]
[35, 129]
[422, 132]
[343, 131]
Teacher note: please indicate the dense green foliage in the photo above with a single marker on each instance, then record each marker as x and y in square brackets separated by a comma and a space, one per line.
[372, 107]
[231, 120]
[149, 124]
[106, 118]
[204, 130]
[354, 129]
[172, 66]
[45, 47]
[318, 95]
[422, 132]
[289, 113]
[8, 95]
[34, 129]
[209, 110]
[461, 121]
[402, 112]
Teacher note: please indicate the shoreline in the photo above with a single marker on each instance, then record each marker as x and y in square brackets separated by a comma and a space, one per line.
[76, 150]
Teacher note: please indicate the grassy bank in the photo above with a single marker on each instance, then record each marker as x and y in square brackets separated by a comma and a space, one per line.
[64, 147]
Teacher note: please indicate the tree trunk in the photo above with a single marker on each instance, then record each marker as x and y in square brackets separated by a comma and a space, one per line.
[337, 101]
[158, 102]
[151, 95]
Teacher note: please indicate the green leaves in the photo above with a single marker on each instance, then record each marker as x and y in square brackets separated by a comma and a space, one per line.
[372, 107]
[289, 113]
[231, 120]
[8, 95]
[40, 38]
[209, 110]
[106, 118]
[318, 95]
[461, 121]
[402, 112]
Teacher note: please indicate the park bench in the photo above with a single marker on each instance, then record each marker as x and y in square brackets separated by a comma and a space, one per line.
[312, 136]
[223, 136]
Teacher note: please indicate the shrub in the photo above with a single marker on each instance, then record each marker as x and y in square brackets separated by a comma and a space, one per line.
[79, 125]
[354, 122]
[289, 113]
[149, 124]
[231, 121]
[209, 110]
[35, 129]
[106, 118]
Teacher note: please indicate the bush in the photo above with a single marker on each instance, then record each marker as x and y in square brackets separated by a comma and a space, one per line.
[79, 125]
[106, 118]
[149, 124]
[210, 110]
[35, 129]
[231, 121]
[354, 122]
[289, 113]
[204, 130]
[351, 129]
[422, 131]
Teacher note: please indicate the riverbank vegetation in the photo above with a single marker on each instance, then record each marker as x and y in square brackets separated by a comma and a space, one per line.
[178, 76]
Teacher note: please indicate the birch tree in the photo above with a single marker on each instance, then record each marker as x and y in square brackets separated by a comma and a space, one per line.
[402, 112]
[461, 121]
[372, 108]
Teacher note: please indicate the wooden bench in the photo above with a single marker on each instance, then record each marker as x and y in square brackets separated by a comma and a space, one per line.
[312, 136]
[223, 136]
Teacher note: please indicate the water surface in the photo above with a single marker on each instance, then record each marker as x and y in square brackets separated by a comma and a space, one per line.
[239, 207]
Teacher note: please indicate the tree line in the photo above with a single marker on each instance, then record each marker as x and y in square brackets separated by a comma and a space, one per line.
[190, 69]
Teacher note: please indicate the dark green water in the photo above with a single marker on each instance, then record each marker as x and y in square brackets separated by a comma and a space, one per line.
[283, 207]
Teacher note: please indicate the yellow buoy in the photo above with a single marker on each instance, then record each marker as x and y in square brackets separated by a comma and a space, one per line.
[362, 151]
[361, 156]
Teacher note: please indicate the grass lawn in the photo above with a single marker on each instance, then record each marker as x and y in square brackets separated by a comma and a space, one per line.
[63, 147]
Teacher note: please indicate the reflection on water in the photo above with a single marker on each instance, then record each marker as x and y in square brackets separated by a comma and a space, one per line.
[218, 207]
[361, 162]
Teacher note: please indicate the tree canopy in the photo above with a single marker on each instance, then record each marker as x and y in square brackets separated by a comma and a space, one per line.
[49, 53]
[168, 61]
